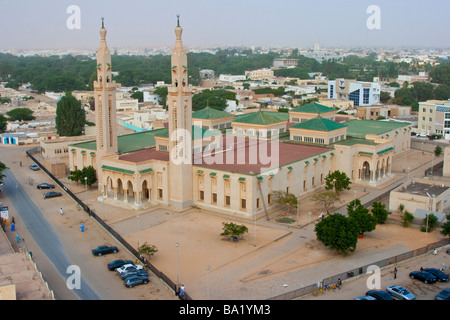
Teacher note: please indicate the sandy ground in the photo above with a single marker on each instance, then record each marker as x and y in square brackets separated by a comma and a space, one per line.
[272, 259]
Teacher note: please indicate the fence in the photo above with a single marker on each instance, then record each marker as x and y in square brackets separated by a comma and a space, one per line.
[110, 230]
[359, 271]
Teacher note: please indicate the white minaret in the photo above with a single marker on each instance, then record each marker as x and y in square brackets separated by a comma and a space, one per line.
[105, 104]
[180, 127]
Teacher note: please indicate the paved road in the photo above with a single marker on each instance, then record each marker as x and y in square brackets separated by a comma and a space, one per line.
[42, 232]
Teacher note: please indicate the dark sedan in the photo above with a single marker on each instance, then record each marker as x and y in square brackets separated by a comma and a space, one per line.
[443, 295]
[117, 264]
[52, 194]
[441, 277]
[45, 186]
[379, 295]
[130, 282]
[425, 277]
[101, 250]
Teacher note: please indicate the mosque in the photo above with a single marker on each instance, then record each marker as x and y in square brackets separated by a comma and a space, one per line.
[226, 163]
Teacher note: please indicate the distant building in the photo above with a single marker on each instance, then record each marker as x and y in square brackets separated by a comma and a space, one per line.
[375, 112]
[361, 93]
[206, 74]
[434, 118]
[260, 74]
[231, 78]
[285, 63]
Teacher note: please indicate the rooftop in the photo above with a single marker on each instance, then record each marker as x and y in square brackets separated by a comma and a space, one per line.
[244, 158]
[262, 117]
[313, 107]
[319, 124]
[361, 128]
[210, 114]
[421, 189]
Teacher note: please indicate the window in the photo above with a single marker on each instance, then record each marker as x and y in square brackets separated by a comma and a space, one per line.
[331, 91]
[295, 120]
[243, 204]
[366, 94]
[319, 140]
[160, 193]
[309, 139]
[227, 201]
[297, 138]
[214, 197]
[354, 96]
[257, 203]
[269, 198]
[202, 195]
[162, 148]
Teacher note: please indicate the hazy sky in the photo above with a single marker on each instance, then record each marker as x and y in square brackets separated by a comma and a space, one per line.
[41, 24]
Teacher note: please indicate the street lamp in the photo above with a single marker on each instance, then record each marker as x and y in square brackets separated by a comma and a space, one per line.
[85, 182]
[178, 279]
[309, 224]
[207, 282]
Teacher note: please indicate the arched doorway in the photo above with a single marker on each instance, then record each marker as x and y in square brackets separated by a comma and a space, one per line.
[365, 171]
[145, 191]
[130, 192]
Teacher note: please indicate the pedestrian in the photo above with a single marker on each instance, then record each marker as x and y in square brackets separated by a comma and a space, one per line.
[181, 292]
[339, 283]
[434, 251]
[17, 238]
[395, 273]
[82, 227]
[60, 211]
[421, 269]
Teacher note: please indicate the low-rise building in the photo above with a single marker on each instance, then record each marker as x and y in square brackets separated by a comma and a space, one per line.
[361, 93]
[434, 118]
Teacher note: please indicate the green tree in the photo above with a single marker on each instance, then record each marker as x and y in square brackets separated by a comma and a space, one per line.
[147, 249]
[70, 116]
[139, 95]
[338, 181]
[365, 221]
[379, 212]
[446, 227]
[285, 199]
[338, 233]
[3, 123]
[3, 167]
[325, 199]
[384, 96]
[437, 151]
[90, 175]
[429, 223]
[20, 114]
[407, 218]
[233, 230]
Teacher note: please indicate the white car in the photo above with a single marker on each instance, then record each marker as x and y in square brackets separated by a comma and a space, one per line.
[128, 267]
[421, 135]
[400, 292]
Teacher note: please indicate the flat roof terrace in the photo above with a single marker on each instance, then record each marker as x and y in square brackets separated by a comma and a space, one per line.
[253, 156]
[421, 189]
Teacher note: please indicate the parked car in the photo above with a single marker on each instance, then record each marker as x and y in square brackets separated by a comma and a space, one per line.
[132, 273]
[365, 298]
[113, 265]
[34, 167]
[400, 292]
[434, 137]
[45, 186]
[421, 135]
[441, 277]
[443, 295]
[52, 194]
[425, 277]
[379, 295]
[101, 250]
[130, 282]
[129, 267]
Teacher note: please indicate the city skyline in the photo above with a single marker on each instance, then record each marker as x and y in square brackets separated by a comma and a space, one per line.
[45, 24]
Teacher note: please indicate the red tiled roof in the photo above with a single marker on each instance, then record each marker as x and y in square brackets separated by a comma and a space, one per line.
[145, 155]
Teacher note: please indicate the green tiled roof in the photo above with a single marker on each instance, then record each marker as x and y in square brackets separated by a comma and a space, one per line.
[128, 142]
[210, 113]
[262, 117]
[352, 141]
[118, 169]
[313, 107]
[196, 132]
[145, 170]
[360, 128]
[319, 124]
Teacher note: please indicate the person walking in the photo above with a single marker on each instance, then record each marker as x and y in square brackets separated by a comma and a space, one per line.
[60, 211]
[395, 273]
